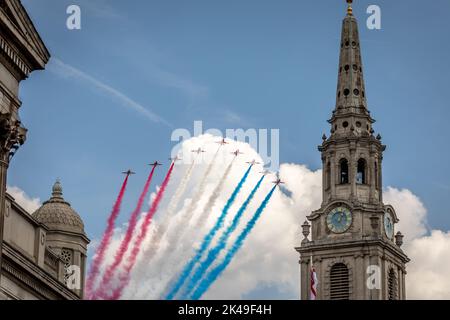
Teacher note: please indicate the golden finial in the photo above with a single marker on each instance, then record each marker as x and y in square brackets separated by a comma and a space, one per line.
[349, 9]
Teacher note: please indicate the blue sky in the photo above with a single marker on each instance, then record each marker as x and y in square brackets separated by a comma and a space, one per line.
[231, 64]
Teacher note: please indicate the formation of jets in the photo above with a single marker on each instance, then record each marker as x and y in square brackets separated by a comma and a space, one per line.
[175, 159]
[253, 162]
[278, 182]
[222, 142]
[200, 150]
[237, 152]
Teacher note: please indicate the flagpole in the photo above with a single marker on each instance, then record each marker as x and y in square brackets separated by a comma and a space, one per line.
[311, 277]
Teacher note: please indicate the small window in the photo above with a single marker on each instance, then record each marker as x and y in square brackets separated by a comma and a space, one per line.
[358, 124]
[339, 94]
[361, 173]
[355, 67]
[343, 171]
[346, 92]
[354, 44]
[347, 67]
[347, 43]
[356, 92]
[345, 124]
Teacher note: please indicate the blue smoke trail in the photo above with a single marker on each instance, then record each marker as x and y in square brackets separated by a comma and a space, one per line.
[214, 273]
[221, 244]
[206, 240]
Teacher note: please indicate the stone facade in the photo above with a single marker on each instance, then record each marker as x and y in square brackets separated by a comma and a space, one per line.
[39, 253]
[353, 247]
[36, 254]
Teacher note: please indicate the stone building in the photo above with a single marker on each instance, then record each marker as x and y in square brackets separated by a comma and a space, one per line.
[43, 255]
[353, 247]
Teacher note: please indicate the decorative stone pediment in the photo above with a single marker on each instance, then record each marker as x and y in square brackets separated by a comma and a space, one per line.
[21, 43]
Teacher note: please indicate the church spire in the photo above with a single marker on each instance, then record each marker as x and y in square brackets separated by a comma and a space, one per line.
[352, 220]
[351, 92]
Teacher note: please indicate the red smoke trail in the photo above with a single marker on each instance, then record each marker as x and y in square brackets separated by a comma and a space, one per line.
[107, 235]
[126, 240]
[124, 277]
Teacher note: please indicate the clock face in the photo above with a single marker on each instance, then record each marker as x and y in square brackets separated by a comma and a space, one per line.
[388, 224]
[339, 220]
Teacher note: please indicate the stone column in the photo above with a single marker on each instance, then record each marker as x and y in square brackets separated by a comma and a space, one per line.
[3, 171]
[380, 179]
[372, 177]
[304, 278]
[367, 291]
[334, 173]
[352, 171]
[360, 272]
[11, 136]
[324, 178]
[77, 262]
[399, 283]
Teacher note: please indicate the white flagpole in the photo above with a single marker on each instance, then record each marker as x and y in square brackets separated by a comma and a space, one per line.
[311, 278]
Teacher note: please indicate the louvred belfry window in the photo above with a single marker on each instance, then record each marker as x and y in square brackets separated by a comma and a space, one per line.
[339, 282]
[392, 285]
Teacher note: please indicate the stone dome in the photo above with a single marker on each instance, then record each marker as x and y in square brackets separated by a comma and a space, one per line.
[58, 215]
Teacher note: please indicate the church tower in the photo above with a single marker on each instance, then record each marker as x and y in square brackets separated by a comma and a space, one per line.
[353, 247]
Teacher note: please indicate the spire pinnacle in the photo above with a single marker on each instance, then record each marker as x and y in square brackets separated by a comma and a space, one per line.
[349, 8]
[57, 189]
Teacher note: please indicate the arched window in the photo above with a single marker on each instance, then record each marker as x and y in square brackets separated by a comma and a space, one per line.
[343, 164]
[361, 173]
[339, 282]
[392, 285]
[328, 176]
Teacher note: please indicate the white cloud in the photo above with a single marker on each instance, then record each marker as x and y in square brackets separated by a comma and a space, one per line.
[410, 210]
[428, 276]
[268, 258]
[25, 201]
[427, 272]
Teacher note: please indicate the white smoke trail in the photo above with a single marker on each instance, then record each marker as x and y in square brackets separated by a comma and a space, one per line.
[195, 200]
[179, 230]
[213, 198]
[177, 256]
[154, 245]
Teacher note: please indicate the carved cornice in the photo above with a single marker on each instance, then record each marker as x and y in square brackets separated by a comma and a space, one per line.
[379, 245]
[21, 33]
[28, 280]
[12, 136]
[14, 57]
[27, 272]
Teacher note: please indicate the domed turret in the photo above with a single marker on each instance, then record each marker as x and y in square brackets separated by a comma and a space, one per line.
[57, 214]
[65, 236]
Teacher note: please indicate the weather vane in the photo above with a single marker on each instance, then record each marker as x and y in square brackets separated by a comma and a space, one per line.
[349, 9]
